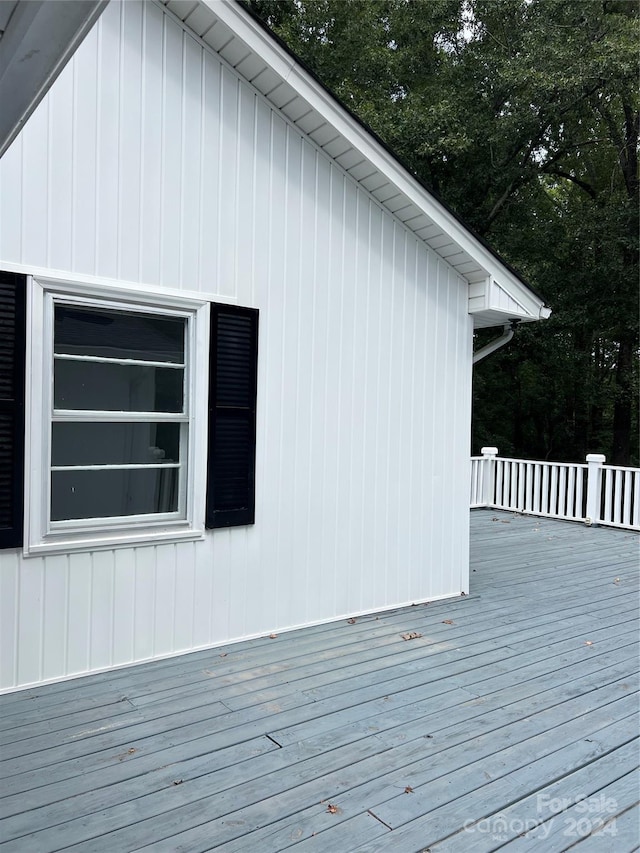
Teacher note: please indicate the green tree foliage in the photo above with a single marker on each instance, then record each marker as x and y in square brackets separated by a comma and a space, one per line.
[523, 116]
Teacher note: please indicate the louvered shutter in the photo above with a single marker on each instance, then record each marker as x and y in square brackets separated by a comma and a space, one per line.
[232, 416]
[12, 359]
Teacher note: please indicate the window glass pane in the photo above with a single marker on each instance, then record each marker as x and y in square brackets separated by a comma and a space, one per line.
[114, 444]
[117, 387]
[104, 494]
[118, 334]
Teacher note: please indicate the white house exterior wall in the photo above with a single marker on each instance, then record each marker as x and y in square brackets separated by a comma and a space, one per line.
[151, 162]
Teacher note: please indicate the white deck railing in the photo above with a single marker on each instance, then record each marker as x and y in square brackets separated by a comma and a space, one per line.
[592, 492]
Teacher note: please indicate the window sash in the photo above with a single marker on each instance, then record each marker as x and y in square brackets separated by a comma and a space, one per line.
[184, 418]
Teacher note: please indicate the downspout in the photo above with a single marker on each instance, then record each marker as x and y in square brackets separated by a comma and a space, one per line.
[490, 348]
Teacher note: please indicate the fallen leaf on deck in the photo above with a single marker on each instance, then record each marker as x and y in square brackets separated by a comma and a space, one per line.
[408, 790]
[617, 580]
[504, 521]
[412, 635]
[351, 621]
[333, 809]
[223, 655]
[588, 643]
[128, 752]
[272, 636]
[447, 621]
[177, 781]
[464, 593]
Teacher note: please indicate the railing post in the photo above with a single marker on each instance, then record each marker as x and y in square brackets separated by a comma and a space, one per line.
[489, 474]
[595, 462]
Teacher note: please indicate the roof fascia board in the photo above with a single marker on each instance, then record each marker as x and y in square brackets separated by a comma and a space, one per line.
[257, 39]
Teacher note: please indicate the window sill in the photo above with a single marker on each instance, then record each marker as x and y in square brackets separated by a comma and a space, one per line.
[67, 542]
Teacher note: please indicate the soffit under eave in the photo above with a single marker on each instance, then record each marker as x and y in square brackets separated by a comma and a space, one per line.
[37, 39]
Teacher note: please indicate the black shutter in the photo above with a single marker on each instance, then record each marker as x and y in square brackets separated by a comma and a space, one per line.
[12, 359]
[232, 416]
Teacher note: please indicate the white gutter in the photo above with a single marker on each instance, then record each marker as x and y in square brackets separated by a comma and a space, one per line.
[490, 348]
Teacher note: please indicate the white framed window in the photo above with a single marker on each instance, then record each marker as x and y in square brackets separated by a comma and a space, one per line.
[117, 416]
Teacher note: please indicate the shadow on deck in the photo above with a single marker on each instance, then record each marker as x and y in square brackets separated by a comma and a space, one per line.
[489, 729]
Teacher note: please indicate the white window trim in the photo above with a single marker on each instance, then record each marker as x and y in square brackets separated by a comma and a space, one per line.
[85, 535]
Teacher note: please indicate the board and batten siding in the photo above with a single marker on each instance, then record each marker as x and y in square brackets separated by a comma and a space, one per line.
[150, 161]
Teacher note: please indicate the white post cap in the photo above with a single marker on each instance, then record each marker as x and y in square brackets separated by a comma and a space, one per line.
[489, 451]
[596, 457]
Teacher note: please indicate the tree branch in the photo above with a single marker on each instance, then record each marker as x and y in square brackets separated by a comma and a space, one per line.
[582, 184]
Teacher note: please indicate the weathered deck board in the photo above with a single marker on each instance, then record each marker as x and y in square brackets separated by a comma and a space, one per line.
[525, 688]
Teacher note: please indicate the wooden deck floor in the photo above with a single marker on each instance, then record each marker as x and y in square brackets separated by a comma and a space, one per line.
[510, 722]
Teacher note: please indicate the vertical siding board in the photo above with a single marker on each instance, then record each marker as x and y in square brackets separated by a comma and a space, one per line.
[221, 602]
[288, 289]
[345, 518]
[130, 155]
[392, 404]
[171, 141]
[459, 518]
[35, 176]
[210, 177]
[357, 404]
[272, 349]
[144, 572]
[334, 346]
[165, 599]
[185, 590]
[9, 603]
[190, 162]
[382, 392]
[102, 609]
[85, 142]
[30, 622]
[449, 357]
[55, 616]
[79, 609]
[151, 145]
[408, 534]
[243, 220]
[229, 165]
[241, 587]
[124, 605]
[11, 204]
[304, 379]
[419, 579]
[363, 368]
[108, 169]
[436, 496]
[404, 332]
[202, 577]
[61, 158]
[318, 497]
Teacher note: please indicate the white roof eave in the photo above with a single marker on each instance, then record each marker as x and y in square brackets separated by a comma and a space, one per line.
[226, 21]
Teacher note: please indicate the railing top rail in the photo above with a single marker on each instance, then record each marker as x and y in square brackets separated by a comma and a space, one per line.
[541, 462]
[620, 468]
